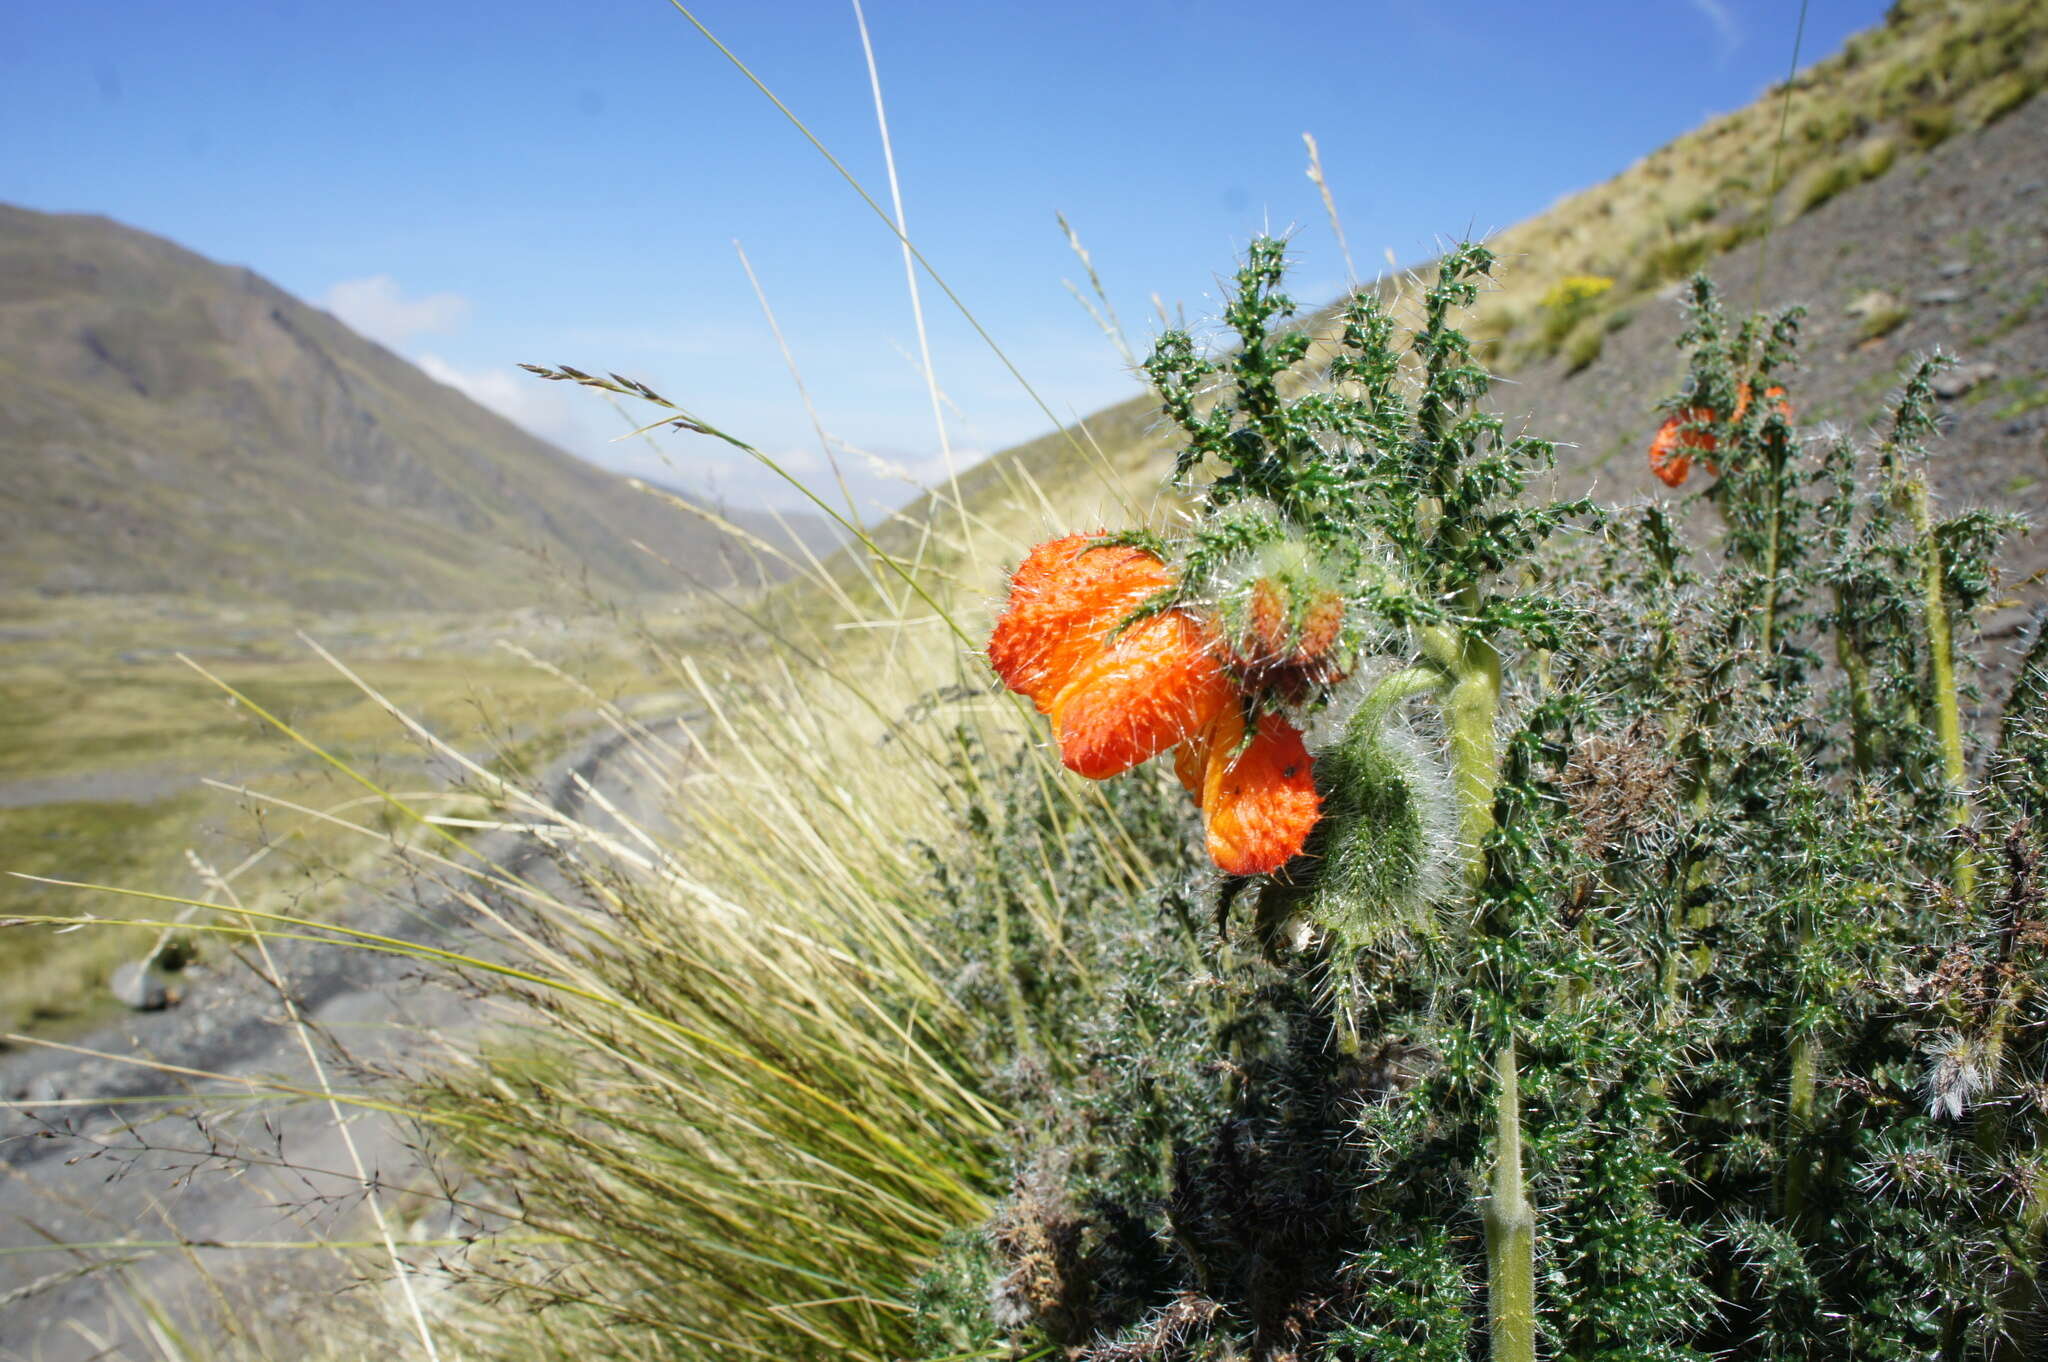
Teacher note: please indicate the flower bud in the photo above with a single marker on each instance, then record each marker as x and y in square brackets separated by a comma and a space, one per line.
[1283, 619]
[1382, 852]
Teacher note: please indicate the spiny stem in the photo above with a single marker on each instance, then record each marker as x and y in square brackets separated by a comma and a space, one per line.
[1799, 1106]
[1948, 723]
[1771, 552]
[1013, 988]
[2026, 1291]
[1510, 1227]
[1856, 669]
[1469, 711]
[1392, 689]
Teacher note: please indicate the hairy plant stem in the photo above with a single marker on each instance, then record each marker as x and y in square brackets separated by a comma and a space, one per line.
[1684, 920]
[1388, 694]
[1013, 989]
[1390, 690]
[2026, 1282]
[1769, 628]
[1510, 1227]
[1683, 722]
[1948, 722]
[1799, 1121]
[1856, 669]
[2024, 1295]
[1470, 706]
[1469, 710]
[1799, 1105]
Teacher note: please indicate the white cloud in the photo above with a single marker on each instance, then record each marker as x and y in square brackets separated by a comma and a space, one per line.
[1726, 26]
[378, 308]
[519, 397]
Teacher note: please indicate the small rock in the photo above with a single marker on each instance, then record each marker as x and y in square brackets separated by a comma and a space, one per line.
[2031, 188]
[1950, 269]
[1872, 303]
[136, 985]
[1937, 297]
[1962, 378]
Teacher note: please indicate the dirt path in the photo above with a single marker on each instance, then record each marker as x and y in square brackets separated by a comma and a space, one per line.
[220, 1169]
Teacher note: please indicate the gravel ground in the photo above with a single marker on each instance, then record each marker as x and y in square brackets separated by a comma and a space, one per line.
[216, 1169]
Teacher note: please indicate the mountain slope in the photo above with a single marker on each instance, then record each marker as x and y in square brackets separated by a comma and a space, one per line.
[169, 424]
[1908, 188]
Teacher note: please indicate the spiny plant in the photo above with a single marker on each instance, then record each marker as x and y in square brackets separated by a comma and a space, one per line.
[1620, 947]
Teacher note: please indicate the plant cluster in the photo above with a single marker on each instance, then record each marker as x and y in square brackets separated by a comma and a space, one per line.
[1661, 974]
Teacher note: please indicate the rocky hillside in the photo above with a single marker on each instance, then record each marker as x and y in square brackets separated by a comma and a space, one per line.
[1947, 253]
[1909, 213]
[168, 424]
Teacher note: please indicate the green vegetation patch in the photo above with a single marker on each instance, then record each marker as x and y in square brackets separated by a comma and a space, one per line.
[101, 721]
[52, 979]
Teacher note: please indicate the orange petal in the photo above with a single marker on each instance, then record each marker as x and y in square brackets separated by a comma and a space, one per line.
[1064, 599]
[1156, 685]
[1667, 460]
[1773, 394]
[1680, 436]
[1037, 612]
[1260, 803]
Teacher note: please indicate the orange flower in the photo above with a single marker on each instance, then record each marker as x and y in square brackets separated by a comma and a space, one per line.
[1671, 453]
[1157, 684]
[1116, 699]
[1065, 598]
[1258, 800]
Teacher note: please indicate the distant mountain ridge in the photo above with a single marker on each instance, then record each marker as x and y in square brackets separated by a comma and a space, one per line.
[169, 424]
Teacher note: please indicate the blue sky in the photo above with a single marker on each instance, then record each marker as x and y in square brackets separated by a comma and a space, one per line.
[480, 184]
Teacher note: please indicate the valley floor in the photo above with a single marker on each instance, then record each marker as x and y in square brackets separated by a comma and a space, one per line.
[108, 739]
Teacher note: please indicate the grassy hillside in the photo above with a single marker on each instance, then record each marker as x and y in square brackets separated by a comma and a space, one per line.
[1878, 186]
[1939, 244]
[171, 425]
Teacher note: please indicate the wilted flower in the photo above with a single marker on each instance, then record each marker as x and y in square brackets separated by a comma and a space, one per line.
[1121, 686]
[1281, 635]
[1959, 1072]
